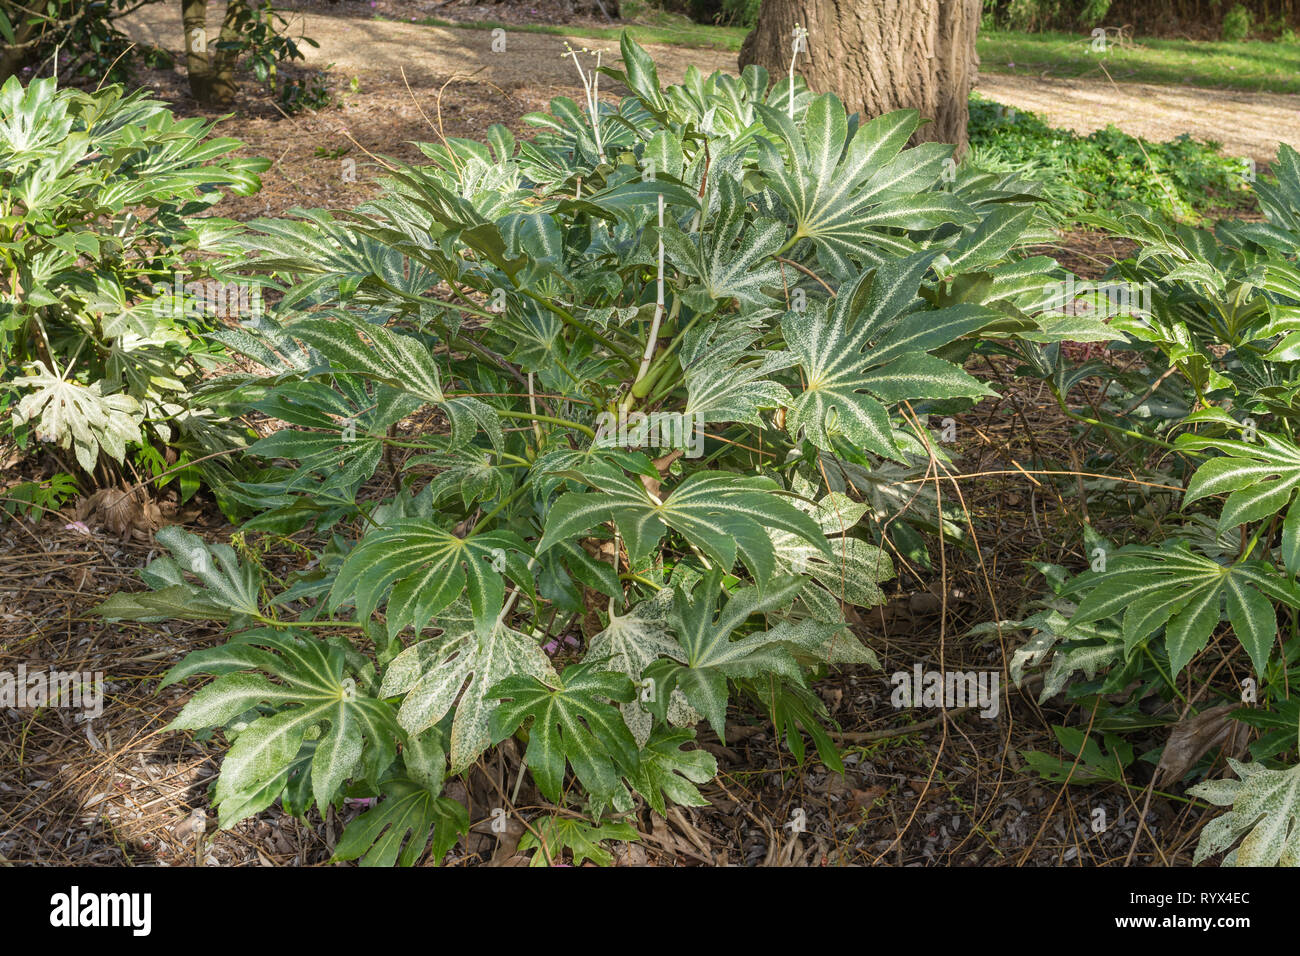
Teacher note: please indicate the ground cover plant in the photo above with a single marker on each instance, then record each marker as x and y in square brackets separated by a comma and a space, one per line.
[667, 345]
[1181, 179]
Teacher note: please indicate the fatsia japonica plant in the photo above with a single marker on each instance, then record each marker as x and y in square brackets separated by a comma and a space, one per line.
[101, 238]
[588, 426]
[1210, 579]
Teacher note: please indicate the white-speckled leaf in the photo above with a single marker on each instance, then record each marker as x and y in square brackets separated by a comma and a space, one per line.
[1265, 814]
[853, 576]
[629, 645]
[434, 672]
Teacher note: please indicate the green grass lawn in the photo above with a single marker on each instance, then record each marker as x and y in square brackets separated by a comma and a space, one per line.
[1254, 65]
[1251, 65]
[676, 31]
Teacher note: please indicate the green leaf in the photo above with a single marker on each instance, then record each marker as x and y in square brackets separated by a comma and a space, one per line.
[1184, 592]
[1092, 766]
[667, 774]
[572, 721]
[629, 644]
[310, 693]
[843, 370]
[426, 568]
[1265, 816]
[407, 813]
[709, 655]
[728, 266]
[580, 838]
[227, 589]
[726, 379]
[722, 514]
[836, 188]
[380, 353]
[458, 667]
[851, 576]
[1260, 479]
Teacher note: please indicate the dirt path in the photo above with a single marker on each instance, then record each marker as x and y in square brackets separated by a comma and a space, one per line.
[362, 46]
[1247, 124]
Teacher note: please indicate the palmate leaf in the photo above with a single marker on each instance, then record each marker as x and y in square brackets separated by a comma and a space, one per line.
[1265, 808]
[328, 257]
[1086, 762]
[580, 838]
[227, 589]
[708, 655]
[1063, 644]
[572, 721]
[726, 379]
[668, 774]
[399, 361]
[1185, 593]
[867, 350]
[339, 433]
[1261, 478]
[464, 472]
[849, 196]
[357, 733]
[629, 644]
[988, 244]
[76, 416]
[555, 466]
[730, 256]
[458, 667]
[720, 513]
[851, 576]
[427, 567]
[376, 351]
[407, 813]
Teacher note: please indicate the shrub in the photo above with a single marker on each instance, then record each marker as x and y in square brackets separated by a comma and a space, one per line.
[1237, 23]
[1081, 175]
[633, 382]
[1217, 367]
[740, 13]
[100, 197]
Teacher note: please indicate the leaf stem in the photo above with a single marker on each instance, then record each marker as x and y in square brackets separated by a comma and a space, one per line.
[562, 422]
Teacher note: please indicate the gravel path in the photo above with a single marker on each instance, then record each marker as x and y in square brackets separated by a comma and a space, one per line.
[1247, 124]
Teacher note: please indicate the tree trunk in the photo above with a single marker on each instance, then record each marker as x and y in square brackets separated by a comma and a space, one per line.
[21, 53]
[878, 55]
[211, 70]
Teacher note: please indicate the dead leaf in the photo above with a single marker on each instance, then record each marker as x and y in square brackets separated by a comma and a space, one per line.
[1194, 737]
[121, 512]
[629, 854]
[866, 799]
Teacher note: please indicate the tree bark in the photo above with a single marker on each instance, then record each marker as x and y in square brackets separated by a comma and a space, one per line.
[211, 70]
[879, 55]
